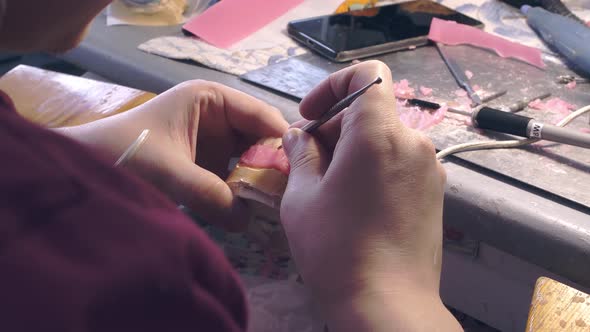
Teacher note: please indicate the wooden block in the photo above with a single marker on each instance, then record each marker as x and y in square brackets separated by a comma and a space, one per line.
[58, 100]
[558, 307]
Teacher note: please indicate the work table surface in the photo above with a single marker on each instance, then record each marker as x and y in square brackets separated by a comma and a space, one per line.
[542, 229]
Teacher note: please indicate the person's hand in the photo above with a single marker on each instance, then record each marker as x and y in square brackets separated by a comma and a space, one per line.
[195, 128]
[363, 208]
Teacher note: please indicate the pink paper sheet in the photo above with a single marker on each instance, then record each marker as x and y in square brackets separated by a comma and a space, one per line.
[229, 21]
[453, 33]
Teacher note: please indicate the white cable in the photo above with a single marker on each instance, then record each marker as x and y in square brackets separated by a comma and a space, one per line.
[133, 148]
[485, 145]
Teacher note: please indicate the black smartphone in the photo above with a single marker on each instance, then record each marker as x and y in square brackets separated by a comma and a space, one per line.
[373, 31]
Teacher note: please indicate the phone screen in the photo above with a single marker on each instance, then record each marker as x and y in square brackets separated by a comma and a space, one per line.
[376, 26]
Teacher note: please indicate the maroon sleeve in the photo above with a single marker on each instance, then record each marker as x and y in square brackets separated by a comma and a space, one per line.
[86, 247]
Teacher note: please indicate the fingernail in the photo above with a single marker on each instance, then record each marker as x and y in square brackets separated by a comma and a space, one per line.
[291, 138]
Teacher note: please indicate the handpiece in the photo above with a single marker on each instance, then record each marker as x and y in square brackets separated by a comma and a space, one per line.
[514, 124]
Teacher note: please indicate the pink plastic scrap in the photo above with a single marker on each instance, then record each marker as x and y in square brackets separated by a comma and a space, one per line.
[571, 85]
[425, 91]
[403, 90]
[417, 118]
[460, 93]
[453, 33]
[469, 74]
[553, 105]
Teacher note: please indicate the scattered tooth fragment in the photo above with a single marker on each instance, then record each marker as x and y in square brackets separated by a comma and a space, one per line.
[469, 74]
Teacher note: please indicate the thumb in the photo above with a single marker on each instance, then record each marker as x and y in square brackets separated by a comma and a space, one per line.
[306, 157]
[210, 198]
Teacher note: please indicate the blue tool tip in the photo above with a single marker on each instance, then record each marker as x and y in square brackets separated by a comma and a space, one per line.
[524, 9]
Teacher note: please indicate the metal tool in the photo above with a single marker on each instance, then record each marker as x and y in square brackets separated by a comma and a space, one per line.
[493, 96]
[510, 123]
[522, 104]
[490, 97]
[516, 107]
[339, 107]
[566, 79]
[458, 74]
[434, 106]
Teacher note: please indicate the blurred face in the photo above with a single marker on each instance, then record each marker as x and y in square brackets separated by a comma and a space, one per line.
[45, 25]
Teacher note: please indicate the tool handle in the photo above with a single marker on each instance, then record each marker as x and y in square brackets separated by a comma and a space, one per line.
[504, 122]
[568, 36]
[558, 134]
[424, 103]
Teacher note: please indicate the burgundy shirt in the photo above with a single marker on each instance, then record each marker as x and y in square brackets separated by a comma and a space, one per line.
[87, 247]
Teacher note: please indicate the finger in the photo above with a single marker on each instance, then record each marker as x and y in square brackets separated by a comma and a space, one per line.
[307, 159]
[210, 197]
[341, 84]
[243, 113]
[370, 127]
[299, 124]
[328, 133]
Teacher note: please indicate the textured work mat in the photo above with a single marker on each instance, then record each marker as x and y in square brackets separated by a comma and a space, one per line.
[559, 169]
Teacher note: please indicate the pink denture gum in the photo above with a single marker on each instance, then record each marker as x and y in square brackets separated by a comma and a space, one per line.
[266, 156]
[453, 33]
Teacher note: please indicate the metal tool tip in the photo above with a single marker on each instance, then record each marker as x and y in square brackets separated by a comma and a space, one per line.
[475, 98]
[378, 80]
